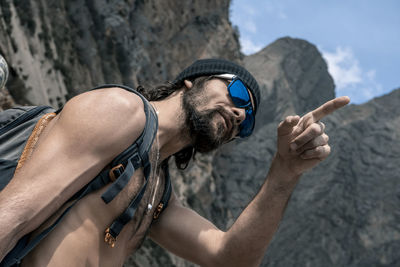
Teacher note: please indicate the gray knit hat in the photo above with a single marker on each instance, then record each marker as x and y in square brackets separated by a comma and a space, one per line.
[204, 67]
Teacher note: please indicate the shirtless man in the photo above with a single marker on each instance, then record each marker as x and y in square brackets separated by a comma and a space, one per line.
[202, 114]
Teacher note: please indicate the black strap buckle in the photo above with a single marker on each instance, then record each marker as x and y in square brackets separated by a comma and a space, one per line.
[115, 172]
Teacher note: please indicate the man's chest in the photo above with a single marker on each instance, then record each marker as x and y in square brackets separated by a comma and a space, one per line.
[82, 232]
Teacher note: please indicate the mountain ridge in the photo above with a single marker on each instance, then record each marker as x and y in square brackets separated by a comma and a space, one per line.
[342, 213]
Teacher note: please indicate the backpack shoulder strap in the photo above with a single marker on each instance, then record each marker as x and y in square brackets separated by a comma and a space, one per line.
[167, 193]
[134, 157]
[16, 126]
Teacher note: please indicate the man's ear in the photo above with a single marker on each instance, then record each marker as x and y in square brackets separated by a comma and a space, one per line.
[188, 84]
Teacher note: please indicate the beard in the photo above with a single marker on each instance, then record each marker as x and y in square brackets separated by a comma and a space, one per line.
[206, 136]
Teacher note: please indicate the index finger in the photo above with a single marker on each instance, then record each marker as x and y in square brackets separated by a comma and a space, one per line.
[329, 107]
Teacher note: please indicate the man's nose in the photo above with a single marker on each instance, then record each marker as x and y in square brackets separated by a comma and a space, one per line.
[239, 115]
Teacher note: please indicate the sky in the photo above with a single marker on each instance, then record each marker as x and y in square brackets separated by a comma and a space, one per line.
[359, 39]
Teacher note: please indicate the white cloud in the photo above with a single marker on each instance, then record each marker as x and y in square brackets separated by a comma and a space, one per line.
[248, 46]
[250, 26]
[349, 77]
[372, 87]
[343, 66]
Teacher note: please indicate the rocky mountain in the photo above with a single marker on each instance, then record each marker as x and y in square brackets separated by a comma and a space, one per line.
[345, 212]
[57, 49]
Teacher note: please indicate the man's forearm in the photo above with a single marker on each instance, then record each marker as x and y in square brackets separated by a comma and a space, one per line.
[249, 237]
[301, 145]
[11, 227]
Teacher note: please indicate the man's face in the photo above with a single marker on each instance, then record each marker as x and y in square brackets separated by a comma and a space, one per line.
[211, 117]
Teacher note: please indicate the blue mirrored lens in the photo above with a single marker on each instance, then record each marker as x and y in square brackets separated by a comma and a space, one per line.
[239, 94]
[241, 99]
[247, 126]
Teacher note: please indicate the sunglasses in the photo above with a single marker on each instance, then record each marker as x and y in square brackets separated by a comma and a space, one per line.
[241, 98]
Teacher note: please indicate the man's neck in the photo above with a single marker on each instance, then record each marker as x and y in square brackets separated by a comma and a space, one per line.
[172, 136]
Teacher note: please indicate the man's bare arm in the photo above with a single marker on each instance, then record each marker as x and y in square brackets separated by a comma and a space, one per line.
[190, 236]
[90, 131]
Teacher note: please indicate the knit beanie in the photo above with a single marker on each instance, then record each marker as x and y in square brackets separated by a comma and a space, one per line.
[204, 67]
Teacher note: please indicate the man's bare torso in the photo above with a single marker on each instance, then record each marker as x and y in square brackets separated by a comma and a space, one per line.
[79, 238]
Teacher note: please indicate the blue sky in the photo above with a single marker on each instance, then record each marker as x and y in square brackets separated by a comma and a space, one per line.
[360, 40]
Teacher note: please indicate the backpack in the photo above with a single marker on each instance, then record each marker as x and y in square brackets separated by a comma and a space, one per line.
[18, 125]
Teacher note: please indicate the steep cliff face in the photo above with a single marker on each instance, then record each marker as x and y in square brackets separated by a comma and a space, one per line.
[282, 70]
[343, 213]
[57, 49]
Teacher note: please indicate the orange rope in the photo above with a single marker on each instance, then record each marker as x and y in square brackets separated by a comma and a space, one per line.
[31, 143]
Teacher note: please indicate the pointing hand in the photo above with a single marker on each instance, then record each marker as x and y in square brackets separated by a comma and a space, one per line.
[302, 142]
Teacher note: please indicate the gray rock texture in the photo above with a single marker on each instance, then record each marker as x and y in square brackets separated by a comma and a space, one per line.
[57, 49]
[345, 212]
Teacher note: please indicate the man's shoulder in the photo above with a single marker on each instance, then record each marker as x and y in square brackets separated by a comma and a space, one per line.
[114, 98]
[111, 117]
[113, 102]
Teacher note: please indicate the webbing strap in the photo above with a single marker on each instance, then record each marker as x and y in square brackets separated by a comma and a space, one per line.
[101, 180]
[167, 187]
[12, 258]
[146, 165]
[143, 146]
[145, 140]
[134, 163]
[135, 156]
[127, 215]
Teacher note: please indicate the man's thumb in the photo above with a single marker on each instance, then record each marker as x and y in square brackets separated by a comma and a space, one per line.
[286, 126]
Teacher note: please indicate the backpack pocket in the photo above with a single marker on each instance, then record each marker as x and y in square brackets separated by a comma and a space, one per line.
[7, 169]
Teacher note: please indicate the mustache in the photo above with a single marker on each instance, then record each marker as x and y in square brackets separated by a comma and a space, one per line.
[207, 138]
[206, 135]
[229, 134]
